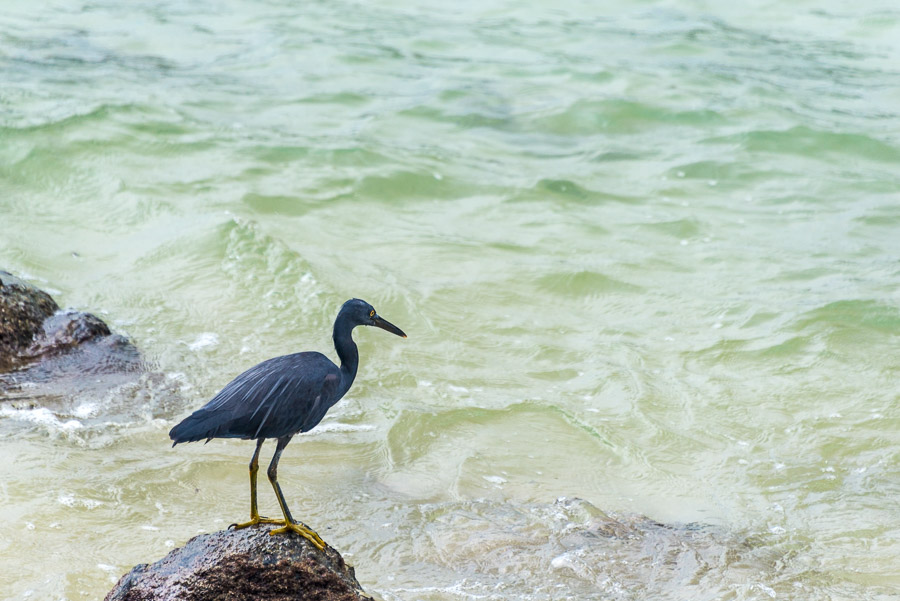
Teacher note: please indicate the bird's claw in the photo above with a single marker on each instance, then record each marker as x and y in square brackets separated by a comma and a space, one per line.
[256, 521]
[304, 531]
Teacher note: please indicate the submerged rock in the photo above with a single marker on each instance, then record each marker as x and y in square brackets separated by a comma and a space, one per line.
[41, 346]
[571, 549]
[242, 564]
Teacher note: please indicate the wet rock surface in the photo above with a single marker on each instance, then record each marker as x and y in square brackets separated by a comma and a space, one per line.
[23, 309]
[47, 352]
[242, 564]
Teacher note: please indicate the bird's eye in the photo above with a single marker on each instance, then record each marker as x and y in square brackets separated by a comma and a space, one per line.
[372, 313]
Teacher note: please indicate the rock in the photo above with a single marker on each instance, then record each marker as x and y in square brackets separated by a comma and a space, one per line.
[23, 309]
[46, 352]
[66, 330]
[242, 564]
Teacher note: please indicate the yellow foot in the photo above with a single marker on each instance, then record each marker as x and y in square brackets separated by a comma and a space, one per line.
[255, 521]
[304, 531]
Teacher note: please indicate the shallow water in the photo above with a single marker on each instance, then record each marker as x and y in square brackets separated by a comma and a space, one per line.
[646, 253]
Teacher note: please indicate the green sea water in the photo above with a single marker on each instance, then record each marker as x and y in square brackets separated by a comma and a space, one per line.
[647, 254]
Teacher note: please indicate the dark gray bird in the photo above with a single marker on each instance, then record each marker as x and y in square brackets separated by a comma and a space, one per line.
[279, 398]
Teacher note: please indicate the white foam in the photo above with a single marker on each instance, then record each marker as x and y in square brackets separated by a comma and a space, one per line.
[69, 500]
[204, 340]
[766, 589]
[85, 410]
[340, 427]
[562, 561]
[42, 416]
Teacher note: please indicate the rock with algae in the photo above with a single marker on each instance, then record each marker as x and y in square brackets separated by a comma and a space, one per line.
[242, 564]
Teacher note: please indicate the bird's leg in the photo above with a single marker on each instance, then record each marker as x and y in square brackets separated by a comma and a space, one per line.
[289, 524]
[254, 512]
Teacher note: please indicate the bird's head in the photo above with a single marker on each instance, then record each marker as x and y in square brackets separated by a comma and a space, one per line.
[361, 313]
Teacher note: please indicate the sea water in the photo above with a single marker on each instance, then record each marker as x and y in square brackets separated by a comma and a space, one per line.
[647, 255]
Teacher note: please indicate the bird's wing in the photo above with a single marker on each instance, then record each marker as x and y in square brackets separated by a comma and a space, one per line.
[324, 401]
[276, 398]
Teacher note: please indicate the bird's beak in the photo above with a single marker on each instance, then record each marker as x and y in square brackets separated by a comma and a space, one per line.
[384, 324]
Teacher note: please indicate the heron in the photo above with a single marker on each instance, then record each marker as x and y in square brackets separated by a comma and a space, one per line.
[279, 398]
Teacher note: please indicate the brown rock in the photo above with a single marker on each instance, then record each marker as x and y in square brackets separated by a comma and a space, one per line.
[23, 309]
[233, 565]
[46, 353]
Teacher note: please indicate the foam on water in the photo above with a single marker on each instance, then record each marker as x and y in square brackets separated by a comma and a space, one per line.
[329, 427]
[43, 417]
[204, 340]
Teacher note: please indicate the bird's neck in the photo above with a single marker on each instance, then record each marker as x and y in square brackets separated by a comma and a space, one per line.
[347, 352]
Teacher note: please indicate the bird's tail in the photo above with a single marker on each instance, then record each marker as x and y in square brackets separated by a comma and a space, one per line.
[200, 425]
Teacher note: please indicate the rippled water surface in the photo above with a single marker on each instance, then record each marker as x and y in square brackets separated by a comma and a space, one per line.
[647, 255]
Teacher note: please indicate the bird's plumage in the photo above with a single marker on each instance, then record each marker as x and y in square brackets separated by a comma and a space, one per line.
[278, 397]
